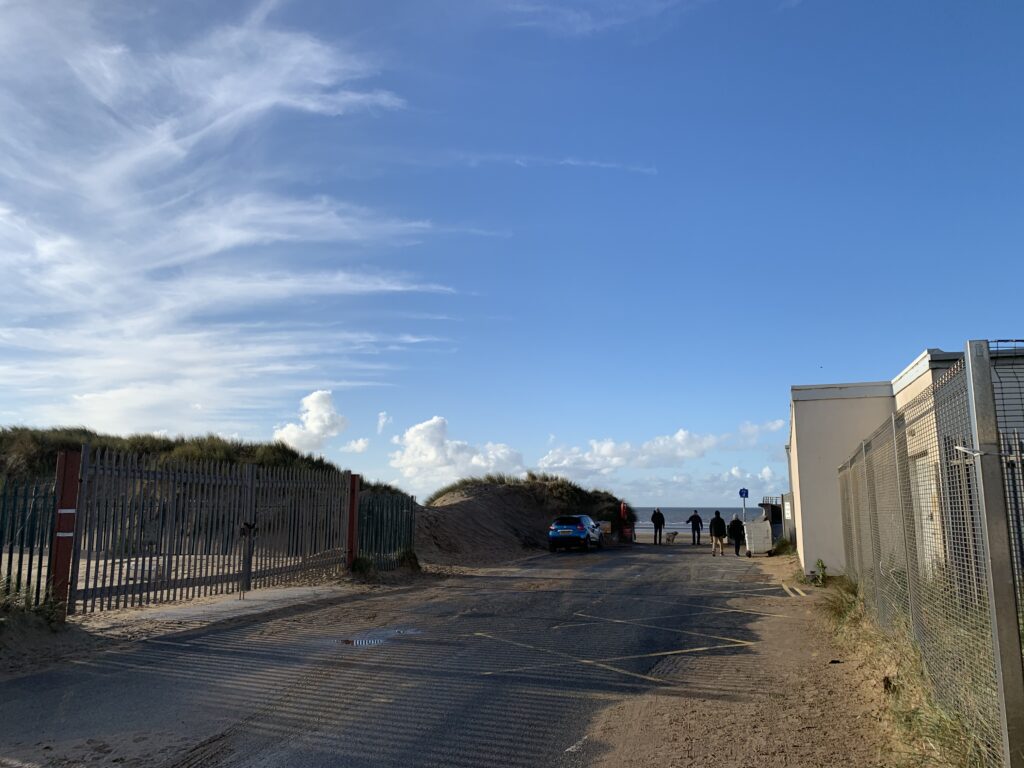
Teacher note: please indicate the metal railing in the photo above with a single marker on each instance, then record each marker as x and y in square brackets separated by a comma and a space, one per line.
[151, 530]
[387, 528]
[26, 529]
[933, 537]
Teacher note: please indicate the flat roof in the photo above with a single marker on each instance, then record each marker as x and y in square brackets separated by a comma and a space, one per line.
[929, 359]
[841, 391]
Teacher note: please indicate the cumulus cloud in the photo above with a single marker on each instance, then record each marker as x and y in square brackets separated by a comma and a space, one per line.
[426, 457]
[383, 419]
[356, 446]
[319, 421]
[603, 457]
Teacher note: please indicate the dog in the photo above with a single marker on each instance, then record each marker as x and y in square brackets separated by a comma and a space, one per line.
[671, 536]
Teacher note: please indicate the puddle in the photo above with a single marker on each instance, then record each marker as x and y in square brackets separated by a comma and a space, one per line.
[378, 637]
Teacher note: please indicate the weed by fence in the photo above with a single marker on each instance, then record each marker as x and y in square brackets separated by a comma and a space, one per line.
[921, 548]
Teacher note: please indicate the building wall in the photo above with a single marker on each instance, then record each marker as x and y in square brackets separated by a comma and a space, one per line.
[824, 432]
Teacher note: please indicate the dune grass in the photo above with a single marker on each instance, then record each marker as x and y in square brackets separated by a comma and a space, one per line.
[554, 489]
[929, 735]
[29, 453]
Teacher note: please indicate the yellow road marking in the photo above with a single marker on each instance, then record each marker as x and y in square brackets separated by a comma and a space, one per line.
[656, 654]
[802, 593]
[587, 662]
[788, 590]
[713, 608]
[667, 629]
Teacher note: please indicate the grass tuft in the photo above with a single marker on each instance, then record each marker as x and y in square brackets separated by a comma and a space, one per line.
[930, 736]
[31, 453]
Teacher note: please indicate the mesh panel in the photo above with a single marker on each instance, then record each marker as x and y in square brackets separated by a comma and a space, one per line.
[921, 562]
[1008, 386]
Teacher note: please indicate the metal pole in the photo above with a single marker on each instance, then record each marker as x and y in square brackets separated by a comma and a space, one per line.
[996, 535]
[911, 598]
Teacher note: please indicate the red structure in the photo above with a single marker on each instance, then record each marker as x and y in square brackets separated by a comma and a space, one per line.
[62, 548]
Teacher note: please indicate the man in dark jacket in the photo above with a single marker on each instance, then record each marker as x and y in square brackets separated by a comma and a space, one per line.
[736, 533]
[659, 522]
[696, 526]
[717, 530]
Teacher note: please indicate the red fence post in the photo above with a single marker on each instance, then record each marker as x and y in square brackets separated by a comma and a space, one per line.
[353, 518]
[62, 547]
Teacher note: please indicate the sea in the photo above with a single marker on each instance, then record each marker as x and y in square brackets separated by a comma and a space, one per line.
[675, 517]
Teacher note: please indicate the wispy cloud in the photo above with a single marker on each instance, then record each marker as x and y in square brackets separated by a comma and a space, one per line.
[138, 238]
[577, 18]
[534, 161]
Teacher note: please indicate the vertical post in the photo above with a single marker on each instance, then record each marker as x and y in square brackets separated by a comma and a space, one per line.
[911, 598]
[62, 546]
[996, 535]
[248, 530]
[353, 518]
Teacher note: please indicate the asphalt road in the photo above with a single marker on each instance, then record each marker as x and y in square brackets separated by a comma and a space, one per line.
[506, 668]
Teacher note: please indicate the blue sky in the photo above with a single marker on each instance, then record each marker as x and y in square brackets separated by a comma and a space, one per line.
[435, 238]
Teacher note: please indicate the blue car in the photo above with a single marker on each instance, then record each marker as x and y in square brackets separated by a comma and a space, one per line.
[575, 531]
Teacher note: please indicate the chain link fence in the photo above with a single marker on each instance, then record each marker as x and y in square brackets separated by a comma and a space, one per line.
[917, 541]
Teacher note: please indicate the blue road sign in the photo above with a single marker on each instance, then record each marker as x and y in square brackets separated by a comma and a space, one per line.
[744, 493]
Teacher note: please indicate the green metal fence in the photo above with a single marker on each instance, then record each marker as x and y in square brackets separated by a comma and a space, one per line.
[387, 528]
[26, 530]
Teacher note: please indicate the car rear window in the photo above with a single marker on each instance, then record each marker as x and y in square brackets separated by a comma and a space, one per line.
[566, 520]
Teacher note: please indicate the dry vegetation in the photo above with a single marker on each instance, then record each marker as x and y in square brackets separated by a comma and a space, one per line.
[929, 736]
[29, 453]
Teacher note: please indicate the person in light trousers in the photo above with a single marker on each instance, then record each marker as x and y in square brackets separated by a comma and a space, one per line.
[717, 530]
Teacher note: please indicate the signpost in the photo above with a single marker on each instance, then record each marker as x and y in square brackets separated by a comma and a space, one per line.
[744, 493]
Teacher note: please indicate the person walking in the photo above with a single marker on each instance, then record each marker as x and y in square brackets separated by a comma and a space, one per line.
[659, 523]
[717, 530]
[736, 533]
[696, 526]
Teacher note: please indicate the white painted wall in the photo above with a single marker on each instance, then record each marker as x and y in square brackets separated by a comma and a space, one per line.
[827, 425]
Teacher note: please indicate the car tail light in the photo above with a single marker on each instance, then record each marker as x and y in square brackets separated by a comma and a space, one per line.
[552, 527]
[580, 527]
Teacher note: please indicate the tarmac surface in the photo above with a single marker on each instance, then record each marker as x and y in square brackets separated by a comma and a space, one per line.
[500, 666]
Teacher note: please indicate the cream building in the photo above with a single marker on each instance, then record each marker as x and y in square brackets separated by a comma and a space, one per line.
[826, 424]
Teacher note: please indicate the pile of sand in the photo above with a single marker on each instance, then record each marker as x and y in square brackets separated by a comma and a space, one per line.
[484, 524]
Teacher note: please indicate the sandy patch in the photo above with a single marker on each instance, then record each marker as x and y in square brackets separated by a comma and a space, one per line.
[791, 699]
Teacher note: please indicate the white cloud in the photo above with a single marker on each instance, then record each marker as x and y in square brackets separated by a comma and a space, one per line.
[670, 450]
[319, 421]
[584, 17]
[476, 159]
[427, 458]
[766, 475]
[383, 419]
[356, 446]
[603, 457]
[750, 433]
[136, 228]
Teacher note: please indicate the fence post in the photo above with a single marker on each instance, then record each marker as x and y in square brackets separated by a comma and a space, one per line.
[996, 535]
[62, 547]
[249, 530]
[353, 518]
[911, 597]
